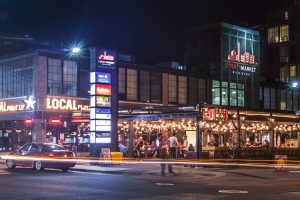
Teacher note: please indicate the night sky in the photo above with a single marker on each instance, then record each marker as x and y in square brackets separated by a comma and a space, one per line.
[152, 30]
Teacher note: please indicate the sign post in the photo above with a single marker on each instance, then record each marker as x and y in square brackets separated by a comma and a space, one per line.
[103, 100]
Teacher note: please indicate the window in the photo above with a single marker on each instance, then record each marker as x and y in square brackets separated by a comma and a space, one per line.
[155, 79]
[216, 92]
[192, 91]
[284, 33]
[70, 78]
[182, 90]
[273, 98]
[145, 86]
[289, 99]
[266, 98]
[295, 100]
[273, 35]
[172, 88]
[34, 148]
[293, 72]
[16, 78]
[284, 54]
[121, 81]
[282, 100]
[54, 76]
[131, 84]
[201, 90]
[224, 93]
[25, 148]
[286, 15]
[241, 95]
[284, 74]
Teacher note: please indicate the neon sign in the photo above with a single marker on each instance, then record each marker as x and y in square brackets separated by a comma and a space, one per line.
[102, 77]
[65, 104]
[103, 89]
[17, 105]
[246, 58]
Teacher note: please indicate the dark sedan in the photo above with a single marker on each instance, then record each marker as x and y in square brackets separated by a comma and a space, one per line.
[40, 156]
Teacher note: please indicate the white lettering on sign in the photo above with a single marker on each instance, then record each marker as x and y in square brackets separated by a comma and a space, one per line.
[4, 107]
[65, 104]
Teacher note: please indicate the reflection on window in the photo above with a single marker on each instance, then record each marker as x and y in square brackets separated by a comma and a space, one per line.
[172, 90]
[121, 81]
[284, 33]
[131, 84]
[182, 90]
[145, 86]
[266, 98]
[201, 90]
[273, 35]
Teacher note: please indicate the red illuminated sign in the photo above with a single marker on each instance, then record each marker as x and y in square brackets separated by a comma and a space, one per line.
[104, 56]
[103, 89]
[236, 56]
[55, 121]
[28, 121]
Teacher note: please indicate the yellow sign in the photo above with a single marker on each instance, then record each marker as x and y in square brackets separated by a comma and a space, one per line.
[65, 104]
[4, 107]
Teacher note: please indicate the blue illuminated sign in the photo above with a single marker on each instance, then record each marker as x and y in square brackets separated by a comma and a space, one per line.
[103, 111]
[103, 77]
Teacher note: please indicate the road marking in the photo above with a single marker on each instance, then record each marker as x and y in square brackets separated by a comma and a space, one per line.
[233, 191]
[3, 172]
[164, 184]
[295, 171]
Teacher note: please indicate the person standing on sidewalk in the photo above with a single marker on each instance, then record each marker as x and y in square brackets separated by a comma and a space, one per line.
[173, 141]
[164, 153]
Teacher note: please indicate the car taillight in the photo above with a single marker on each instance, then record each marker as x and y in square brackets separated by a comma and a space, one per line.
[51, 155]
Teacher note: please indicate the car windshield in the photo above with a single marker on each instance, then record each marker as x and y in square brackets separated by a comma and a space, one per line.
[54, 147]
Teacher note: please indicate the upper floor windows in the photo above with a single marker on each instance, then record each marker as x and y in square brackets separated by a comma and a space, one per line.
[278, 34]
[62, 77]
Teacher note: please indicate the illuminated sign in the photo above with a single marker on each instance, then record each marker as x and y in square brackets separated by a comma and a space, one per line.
[106, 59]
[215, 114]
[103, 77]
[28, 121]
[103, 111]
[102, 89]
[103, 101]
[65, 104]
[17, 105]
[236, 56]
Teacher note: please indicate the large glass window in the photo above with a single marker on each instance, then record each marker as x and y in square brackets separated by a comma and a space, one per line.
[201, 90]
[155, 79]
[293, 72]
[284, 75]
[289, 99]
[266, 98]
[192, 91]
[224, 93]
[282, 100]
[16, 78]
[54, 76]
[284, 54]
[216, 92]
[241, 95]
[273, 35]
[172, 88]
[131, 84]
[295, 100]
[182, 90]
[145, 86]
[121, 80]
[273, 98]
[284, 33]
[70, 78]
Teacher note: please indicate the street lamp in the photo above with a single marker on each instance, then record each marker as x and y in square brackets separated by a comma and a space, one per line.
[294, 84]
[76, 50]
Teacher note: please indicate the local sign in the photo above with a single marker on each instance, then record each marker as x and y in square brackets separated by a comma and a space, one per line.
[66, 104]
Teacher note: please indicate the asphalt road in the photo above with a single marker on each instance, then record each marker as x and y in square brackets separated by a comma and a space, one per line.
[200, 183]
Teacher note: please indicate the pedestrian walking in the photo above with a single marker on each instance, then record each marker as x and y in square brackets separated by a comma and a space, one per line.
[164, 153]
[173, 142]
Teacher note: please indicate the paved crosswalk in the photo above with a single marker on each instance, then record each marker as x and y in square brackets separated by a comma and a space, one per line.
[4, 172]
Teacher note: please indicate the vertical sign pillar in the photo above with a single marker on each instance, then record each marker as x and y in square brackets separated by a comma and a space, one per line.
[103, 100]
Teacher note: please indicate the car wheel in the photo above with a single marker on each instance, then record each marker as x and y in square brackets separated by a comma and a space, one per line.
[38, 166]
[10, 164]
[65, 169]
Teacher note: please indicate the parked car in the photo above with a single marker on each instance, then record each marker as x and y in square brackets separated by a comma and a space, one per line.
[33, 155]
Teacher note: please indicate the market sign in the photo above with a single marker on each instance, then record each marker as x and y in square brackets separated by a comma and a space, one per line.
[215, 114]
[106, 58]
[15, 105]
[66, 104]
